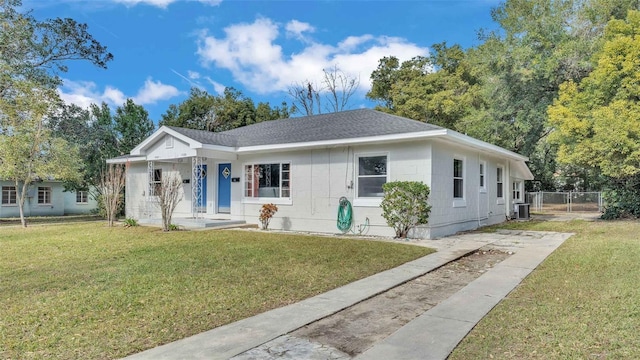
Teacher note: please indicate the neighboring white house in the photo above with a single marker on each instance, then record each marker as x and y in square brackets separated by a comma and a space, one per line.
[305, 165]
[44, 198]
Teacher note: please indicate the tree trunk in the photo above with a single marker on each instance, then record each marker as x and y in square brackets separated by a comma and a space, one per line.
[21, 195]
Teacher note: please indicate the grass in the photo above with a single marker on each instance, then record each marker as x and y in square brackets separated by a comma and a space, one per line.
[32, 220]
[85, 291]
[583, 302]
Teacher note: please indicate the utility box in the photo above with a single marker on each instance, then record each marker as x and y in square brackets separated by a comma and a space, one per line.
[521, 211]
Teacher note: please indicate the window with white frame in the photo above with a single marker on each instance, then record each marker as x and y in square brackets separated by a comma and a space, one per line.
[156, 181]
[499, 182]
[482, 170]
[44, 195]
[9, 195]
[458, 179]
[82, 197]
[517, 191]
[372, 174]
[267, 180]
[168, 142]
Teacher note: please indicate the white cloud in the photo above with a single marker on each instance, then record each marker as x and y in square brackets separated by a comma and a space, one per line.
[113, 96]
[152, 91]
[251, 53]
[297, 29]
[85, 93]
[217, 87]
[193, 74]
[159, 3]
[163, 3]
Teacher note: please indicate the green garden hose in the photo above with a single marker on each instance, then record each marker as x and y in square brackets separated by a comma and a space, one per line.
[344, 215]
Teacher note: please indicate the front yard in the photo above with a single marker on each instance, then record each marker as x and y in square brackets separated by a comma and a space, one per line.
[85, 291]
[583, 302]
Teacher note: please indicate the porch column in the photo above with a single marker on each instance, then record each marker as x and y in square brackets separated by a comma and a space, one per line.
[150, 189]
[196, 186]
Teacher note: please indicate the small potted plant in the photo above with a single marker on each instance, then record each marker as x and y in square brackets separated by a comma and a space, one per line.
[266, 213]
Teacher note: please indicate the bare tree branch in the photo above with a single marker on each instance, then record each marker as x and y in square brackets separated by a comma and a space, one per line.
[340, 87]
[111, 188]
[306, 97]
[168, 196]
[336, 86]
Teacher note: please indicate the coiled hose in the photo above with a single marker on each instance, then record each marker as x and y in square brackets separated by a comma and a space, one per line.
[345, 215]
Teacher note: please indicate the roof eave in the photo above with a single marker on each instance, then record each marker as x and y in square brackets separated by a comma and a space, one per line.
[162, 131]
[473, 142]
[124, 160]
[341, 142]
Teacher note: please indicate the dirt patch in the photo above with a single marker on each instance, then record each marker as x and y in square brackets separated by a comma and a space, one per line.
[357, 328]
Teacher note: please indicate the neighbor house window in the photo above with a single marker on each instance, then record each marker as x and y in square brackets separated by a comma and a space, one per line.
[458, 179]
[372, 174]
[517, 190]
[499, 182]
[82, 197]
[9, 195]
[156, 181]
[482, 170]
[44, 195]
[267, 180]
[168, 142]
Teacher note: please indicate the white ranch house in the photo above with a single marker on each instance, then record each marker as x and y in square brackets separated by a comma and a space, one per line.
[305, 165]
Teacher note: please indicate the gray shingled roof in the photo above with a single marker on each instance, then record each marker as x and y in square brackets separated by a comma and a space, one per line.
[206, 137]
[334, 126]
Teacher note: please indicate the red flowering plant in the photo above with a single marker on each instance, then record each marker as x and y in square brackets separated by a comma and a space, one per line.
[266, 213]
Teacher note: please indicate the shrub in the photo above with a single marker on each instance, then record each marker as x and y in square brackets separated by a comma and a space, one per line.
[266, 213]
[130, 222]
[174, 227]
[405, 206]
[621, 203]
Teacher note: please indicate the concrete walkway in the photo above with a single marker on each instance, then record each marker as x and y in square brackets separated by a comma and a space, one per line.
[430, 336]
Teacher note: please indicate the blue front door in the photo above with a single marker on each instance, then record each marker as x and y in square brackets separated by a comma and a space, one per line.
[224, 188]
[201, 199]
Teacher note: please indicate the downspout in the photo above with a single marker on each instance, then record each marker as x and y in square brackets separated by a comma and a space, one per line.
[507, 203]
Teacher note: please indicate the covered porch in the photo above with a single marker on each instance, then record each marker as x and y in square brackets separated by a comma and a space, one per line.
[205, 172]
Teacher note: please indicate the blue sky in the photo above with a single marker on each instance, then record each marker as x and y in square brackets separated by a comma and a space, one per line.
[162, 48]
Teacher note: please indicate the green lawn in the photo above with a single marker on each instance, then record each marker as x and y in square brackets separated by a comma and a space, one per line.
[85, 291]
[37, 220]
[583, 302]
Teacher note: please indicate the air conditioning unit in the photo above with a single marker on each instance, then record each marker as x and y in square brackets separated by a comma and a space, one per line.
[521, 211]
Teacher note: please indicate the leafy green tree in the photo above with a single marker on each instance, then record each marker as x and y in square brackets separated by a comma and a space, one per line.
[203, 111]
[597, 121]
[391, 77]
[32, 55]
[500, 90]
[404, 205]
[541, 44]
[38, 50]
[92, 131]
[193, 113]
[132, 124]
[28, 150]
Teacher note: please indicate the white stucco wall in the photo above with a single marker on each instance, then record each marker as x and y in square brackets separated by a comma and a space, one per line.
[137, 199]
[320, 177]
[479, 207]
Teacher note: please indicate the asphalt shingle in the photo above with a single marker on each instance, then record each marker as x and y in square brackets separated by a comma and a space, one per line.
[333, 126]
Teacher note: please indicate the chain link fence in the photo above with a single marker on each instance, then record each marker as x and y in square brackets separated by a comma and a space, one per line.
[572, 201]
